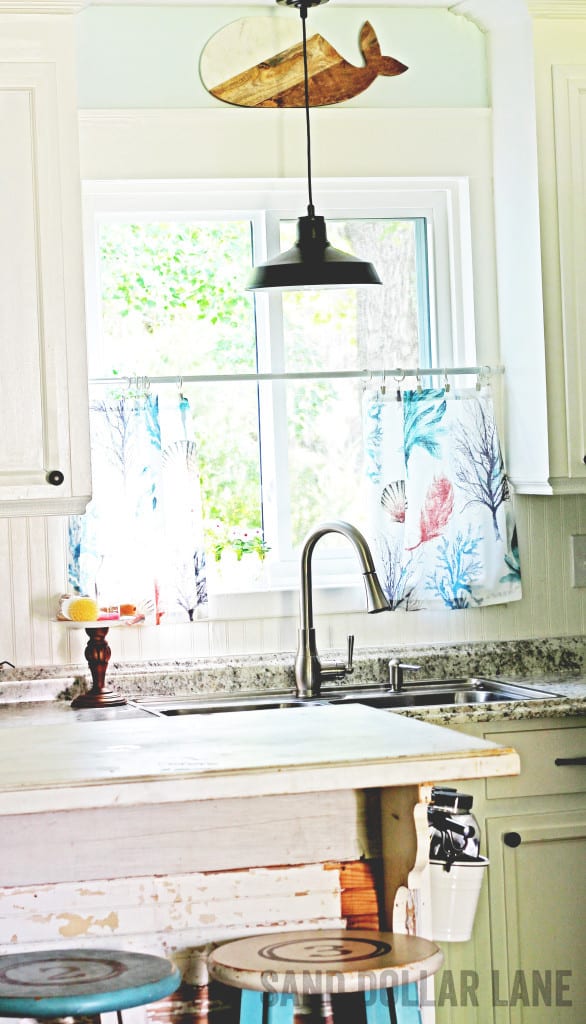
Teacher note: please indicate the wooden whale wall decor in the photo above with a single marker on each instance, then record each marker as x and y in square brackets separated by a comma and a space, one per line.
[277, 81]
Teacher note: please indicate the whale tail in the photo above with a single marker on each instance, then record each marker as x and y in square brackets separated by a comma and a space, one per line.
[371, 51]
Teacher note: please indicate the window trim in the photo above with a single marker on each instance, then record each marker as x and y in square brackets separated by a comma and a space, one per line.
[444, 202]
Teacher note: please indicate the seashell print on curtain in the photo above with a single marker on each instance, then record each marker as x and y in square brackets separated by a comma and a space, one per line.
[441, 510]
[141, 539]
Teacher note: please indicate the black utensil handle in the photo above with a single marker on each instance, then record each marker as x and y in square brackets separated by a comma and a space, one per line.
[444, 823]
[570, 760]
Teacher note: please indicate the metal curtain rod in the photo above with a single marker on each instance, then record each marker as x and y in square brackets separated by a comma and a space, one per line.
[397, 373]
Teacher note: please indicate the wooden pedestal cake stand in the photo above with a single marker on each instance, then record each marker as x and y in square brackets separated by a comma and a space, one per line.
[97, 654]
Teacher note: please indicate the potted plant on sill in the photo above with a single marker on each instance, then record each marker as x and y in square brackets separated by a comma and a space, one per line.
[239, 556]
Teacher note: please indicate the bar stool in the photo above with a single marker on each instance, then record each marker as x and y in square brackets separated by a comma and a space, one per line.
[281, 975]
[69, 983]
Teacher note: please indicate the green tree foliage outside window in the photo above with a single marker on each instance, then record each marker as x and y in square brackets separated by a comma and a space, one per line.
[174, 303]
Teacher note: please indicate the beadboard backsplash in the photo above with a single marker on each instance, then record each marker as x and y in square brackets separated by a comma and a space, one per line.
[33, 571]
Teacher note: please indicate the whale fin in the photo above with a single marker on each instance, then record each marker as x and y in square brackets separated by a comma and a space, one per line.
[371, 51]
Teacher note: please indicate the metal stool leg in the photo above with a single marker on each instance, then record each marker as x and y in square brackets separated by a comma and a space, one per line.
[376, 1003]
[251, 1007]
[280, 1006]
[406, 999]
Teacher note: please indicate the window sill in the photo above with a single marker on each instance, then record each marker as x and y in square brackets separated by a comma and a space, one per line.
[283, 602]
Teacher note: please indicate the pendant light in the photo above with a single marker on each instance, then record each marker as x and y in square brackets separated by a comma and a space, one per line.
[312, 262]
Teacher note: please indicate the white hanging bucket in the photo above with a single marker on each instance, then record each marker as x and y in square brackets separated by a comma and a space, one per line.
[454, 898]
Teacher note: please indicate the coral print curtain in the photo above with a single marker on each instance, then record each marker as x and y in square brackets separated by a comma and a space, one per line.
[141, 539]
[440, 501]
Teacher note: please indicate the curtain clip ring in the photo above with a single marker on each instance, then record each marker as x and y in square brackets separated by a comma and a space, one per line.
[483, 379]
[399, 381]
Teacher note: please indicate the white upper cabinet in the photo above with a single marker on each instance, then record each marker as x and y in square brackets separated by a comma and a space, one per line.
[560, 63]
[569, 85]
[44, 449]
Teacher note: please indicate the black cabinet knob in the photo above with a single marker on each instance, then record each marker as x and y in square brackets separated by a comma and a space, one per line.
[584, 459]
[512, 839]
[55, 477]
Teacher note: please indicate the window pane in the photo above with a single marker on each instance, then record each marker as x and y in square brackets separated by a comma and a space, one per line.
[358, 328]
[174, 299]
[173, 302]
[226, 430]
[325, 453]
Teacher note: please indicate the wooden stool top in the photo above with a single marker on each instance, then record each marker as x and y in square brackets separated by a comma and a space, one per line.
[74, 982]
[324, 961]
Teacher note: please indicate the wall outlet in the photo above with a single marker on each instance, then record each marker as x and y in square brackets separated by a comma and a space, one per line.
[578, 543]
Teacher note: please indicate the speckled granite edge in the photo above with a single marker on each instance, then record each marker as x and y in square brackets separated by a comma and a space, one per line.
[543, 659]
[561, 706]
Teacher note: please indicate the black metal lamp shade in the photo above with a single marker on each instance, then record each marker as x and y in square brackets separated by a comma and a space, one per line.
[312, 262]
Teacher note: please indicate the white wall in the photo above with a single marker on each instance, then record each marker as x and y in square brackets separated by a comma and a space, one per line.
[32, 563]
[204, 141]
[148, 57]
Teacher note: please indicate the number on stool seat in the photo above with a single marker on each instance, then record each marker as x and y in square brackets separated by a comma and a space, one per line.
[273, 970]
[82, 982]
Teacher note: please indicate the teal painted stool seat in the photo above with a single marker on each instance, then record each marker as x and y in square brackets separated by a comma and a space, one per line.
[282, 975]
[82, 982]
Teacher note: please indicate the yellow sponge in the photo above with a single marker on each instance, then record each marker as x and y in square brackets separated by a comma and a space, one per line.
[83, 609]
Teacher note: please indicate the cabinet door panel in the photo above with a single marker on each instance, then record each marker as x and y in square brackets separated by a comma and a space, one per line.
[40, 336]
[22, 453]
[570, 134]
[538, 920]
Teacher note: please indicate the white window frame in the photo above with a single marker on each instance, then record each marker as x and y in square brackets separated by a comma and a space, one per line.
[443, 202]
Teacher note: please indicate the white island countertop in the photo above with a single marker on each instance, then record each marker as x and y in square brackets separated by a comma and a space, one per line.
[68, 765]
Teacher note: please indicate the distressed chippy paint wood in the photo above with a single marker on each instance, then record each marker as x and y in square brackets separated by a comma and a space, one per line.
[191, 909]
[61, 781]
[210, 835]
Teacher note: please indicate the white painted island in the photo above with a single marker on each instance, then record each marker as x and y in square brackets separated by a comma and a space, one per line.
[169, 834]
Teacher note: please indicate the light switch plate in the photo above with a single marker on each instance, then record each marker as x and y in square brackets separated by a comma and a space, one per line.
[578, 560]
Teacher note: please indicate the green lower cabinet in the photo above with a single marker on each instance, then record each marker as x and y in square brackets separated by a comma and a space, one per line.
[525, 961]
[538, 917]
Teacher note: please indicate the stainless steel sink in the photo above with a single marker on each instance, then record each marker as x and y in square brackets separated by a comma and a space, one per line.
[473, 690]
[206, 705]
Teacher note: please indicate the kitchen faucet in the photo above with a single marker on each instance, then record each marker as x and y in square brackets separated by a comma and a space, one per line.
[309, 672]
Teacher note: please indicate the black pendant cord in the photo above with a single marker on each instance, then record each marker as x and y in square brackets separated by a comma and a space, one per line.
[303, 15]
[312, 262]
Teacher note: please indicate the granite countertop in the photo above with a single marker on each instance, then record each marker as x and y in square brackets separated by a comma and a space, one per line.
[557, 665]
[568, 700]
